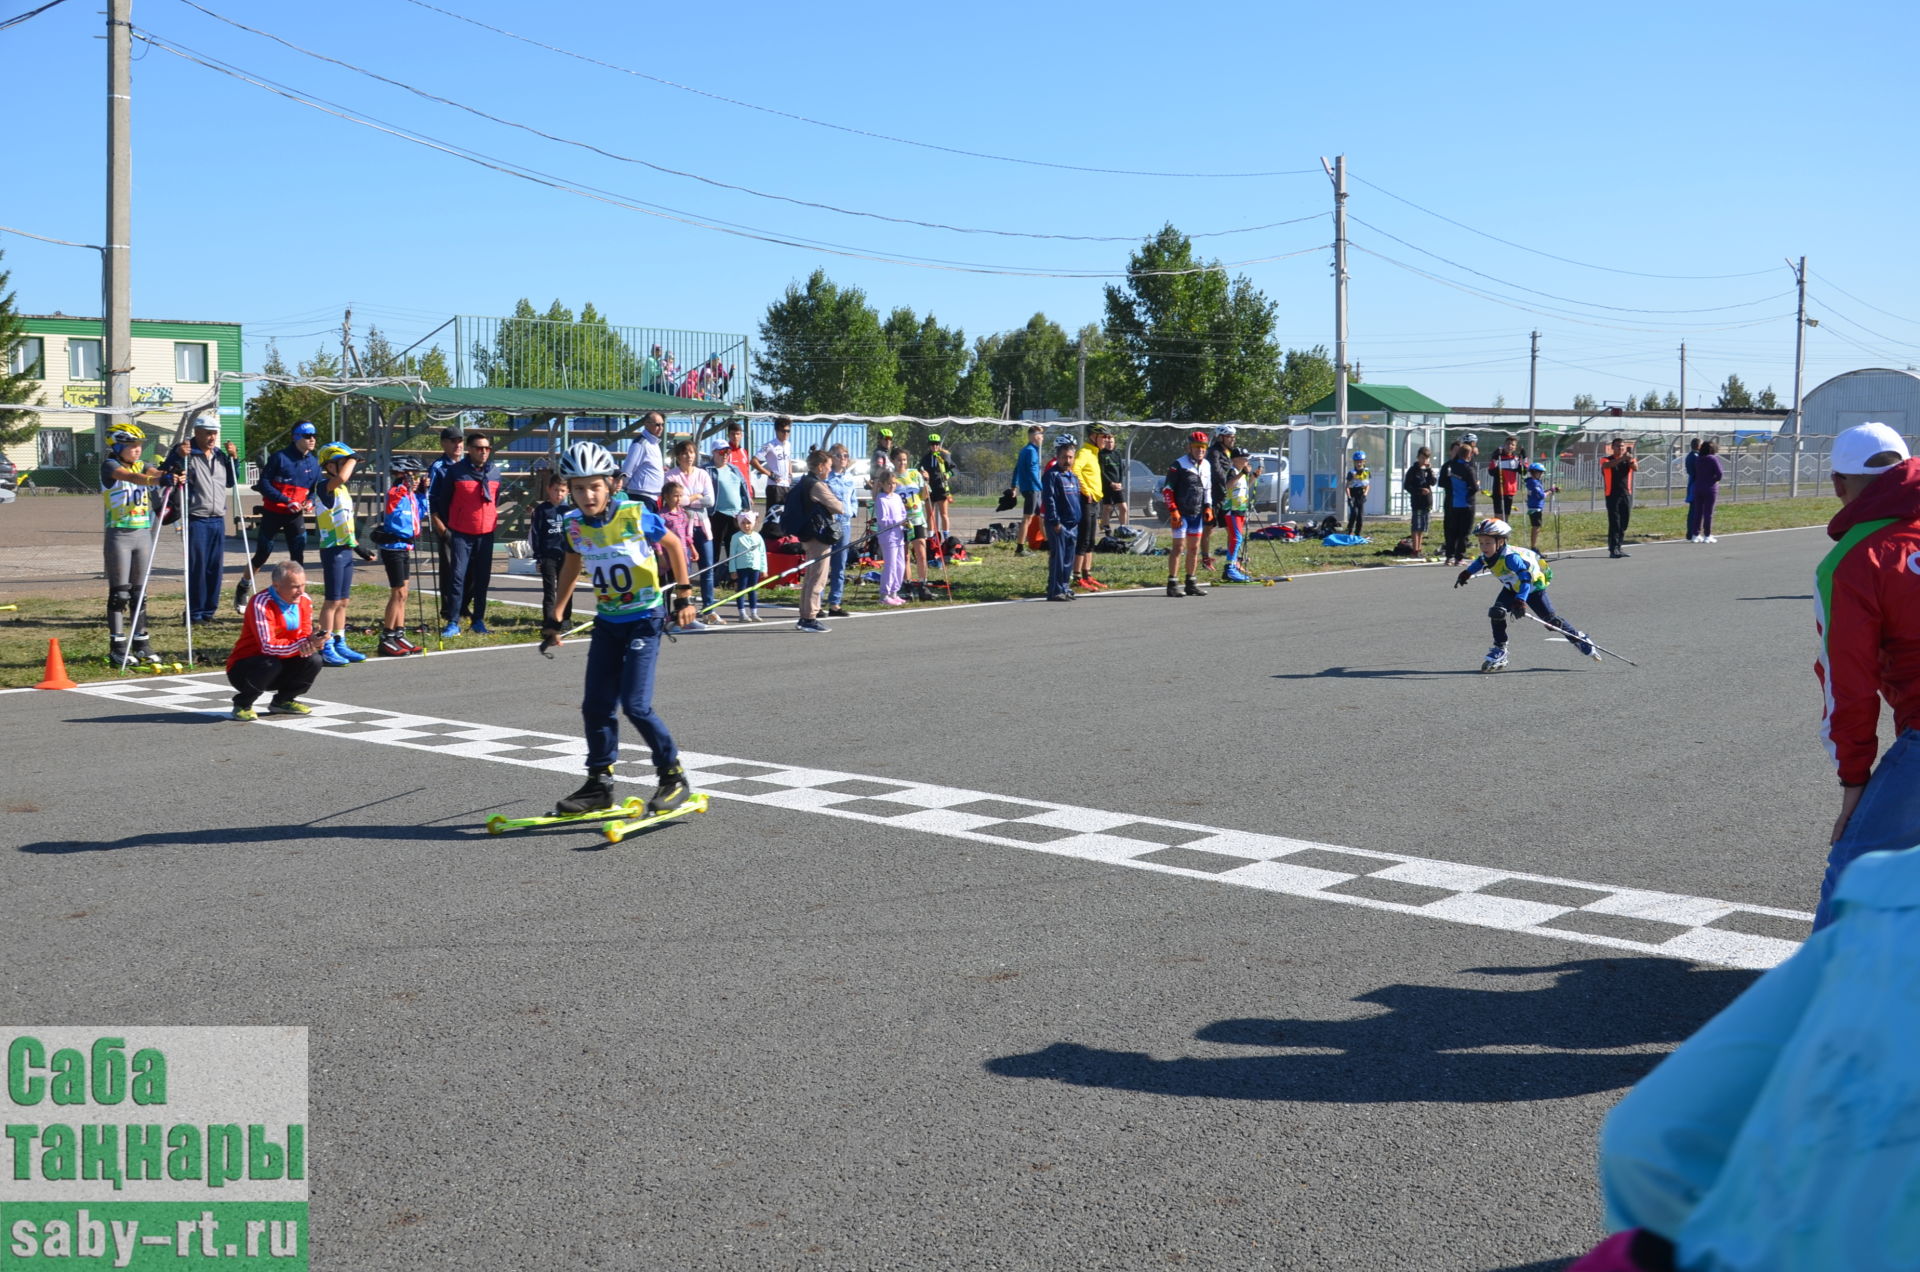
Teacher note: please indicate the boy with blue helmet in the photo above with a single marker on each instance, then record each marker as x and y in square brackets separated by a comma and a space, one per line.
[1524, 578]
[400, 525]
[339, 544]
[1537, 492]
[1359, 481]
[633, 561]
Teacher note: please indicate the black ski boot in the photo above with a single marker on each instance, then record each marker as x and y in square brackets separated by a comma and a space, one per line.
[673, 790]
[1193, 589]
[595, 795]
[242, 593]
[1173, 589]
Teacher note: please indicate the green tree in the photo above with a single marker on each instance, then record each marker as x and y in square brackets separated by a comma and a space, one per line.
[1198, 345]
[1585, 402]
[822, 351]
[1671, 402]
[1032, 367]
[15, 426]
[275, 408]
[931, 363]
[555, 350]
[1734, 396]
[1768, 400]
[1651, 402]
[1306, 376]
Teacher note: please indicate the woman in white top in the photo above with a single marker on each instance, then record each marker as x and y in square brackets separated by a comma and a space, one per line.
[697, 503]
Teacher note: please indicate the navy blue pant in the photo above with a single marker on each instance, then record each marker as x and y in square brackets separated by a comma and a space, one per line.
[469, 571]
[620, 678]
[1537, 602]
[1061, 542]
[273, 524]
[1887, 819]
[206, 555]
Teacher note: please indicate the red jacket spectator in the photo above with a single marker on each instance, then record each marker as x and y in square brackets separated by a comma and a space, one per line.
[468, 498]
[1868, 620]
[272, 628]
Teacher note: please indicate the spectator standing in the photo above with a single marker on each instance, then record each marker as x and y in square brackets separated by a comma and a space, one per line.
[679, 523]
[1189, 495]
[890, 527]
[128, 545]
[775, 463]
[1219, 473]
[406, 513]
[466, 509]
[846, 488]
[286, 496]
[549, 549]
[747, 559]
[698, 504]
[450, 441]
[1703, 492]
[737, 454]
[1085, 463]
[1061, 509]
[1504, 472]
[810, 514]
[650, 371]
[1238, 502]
[1026, 481]
[882, 461]
[1537, 492]
[339, 544]
[1867, 617]
[937, 464]
[278, 651]
[909, 484]
[1359, 482]
[1692, 464]
[209, 474]
[1419, 482]
[1617, 471]
[646, 464]
[1460, 486]
[732, 495]
[1113, 482]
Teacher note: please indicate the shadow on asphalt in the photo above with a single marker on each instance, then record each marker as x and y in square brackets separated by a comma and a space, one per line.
[244, 836]
[1807, 596]
[1405, 673]
[153, 717]
[1431, 1042]
[1545, 1265]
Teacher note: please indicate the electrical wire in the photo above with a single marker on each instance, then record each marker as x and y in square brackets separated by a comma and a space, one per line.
[1869, 330]
[8, 229]
[656, 210]
[1565, 260]
[1869, 304]
[714, 181]
[858, 132]
[1591, 304]
[18, 18]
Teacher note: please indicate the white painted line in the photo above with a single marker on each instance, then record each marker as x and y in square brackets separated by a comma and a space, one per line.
[1648, 922]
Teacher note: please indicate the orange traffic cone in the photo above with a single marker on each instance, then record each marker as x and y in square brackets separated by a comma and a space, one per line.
[56, 668]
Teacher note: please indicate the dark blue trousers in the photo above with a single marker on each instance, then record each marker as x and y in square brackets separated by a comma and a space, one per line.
[620, 679]
[469, 571]
[206, 556]
[1537, 602]
[1061, 541]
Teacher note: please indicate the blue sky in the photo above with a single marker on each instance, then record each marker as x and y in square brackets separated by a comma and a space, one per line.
[1669, 139]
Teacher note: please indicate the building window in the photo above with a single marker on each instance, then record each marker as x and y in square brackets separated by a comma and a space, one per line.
[83, 359]
[190, 363]
[27, 357]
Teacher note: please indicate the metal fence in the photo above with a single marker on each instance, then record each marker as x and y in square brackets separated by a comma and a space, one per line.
[536, 353]
[1755, 467]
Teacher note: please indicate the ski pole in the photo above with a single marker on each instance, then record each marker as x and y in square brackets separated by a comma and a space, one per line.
[140, 598]
[1564, 632]
[755, 588]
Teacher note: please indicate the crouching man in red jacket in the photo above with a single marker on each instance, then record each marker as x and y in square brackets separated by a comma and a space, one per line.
[278, 650]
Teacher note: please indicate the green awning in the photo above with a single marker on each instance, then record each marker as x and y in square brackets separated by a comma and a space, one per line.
[1397, 398]
[546, 401]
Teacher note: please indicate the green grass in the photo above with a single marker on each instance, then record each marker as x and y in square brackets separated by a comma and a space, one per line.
[995, 575]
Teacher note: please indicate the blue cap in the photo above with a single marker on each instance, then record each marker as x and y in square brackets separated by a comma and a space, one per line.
[304, 429]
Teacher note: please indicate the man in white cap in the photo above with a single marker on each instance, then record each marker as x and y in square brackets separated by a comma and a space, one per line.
[1867, 615]
[211, 473]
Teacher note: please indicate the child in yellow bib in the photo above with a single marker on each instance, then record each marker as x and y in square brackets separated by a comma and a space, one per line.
[630, 558]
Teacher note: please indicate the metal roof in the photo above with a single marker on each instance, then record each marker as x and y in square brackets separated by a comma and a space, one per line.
[1382, 397]
[545, 401]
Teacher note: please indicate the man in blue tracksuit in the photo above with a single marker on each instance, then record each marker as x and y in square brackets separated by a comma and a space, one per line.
[286, 487]
[1026, 481]
[1061, 508]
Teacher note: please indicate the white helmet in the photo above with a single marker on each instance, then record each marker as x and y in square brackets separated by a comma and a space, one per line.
[587, 459]
[1494, 527]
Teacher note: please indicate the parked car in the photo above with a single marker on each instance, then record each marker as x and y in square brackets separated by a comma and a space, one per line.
[1270, 490]
[9, 480]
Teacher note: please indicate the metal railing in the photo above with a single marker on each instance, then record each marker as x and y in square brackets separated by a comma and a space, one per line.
[536, 353]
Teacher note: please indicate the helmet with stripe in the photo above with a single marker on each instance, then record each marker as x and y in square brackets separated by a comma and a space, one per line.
[587, 459]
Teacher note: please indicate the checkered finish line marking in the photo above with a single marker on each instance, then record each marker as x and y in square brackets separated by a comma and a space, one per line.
[1697, 928]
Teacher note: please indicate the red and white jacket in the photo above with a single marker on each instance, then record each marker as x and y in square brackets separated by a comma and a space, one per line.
[268, 629]
[1867, 615]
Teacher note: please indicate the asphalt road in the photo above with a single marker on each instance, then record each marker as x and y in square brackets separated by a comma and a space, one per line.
[771, 1038]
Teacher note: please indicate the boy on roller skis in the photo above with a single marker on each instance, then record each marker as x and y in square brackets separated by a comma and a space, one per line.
[1524, 578]
[623, 547]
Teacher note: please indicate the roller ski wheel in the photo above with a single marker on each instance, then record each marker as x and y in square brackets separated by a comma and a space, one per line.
[1495, 660]
[632, 807]
[617, 830]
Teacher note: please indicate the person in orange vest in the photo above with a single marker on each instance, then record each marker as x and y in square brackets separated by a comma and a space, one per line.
[278, 650]
[1616, 470]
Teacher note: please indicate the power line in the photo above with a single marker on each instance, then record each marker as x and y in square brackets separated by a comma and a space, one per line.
[1591, 304]
[8, 229]
[858, 132]
[712, 181]
[18, 18]
[1566, 260]
[1869, 304]
[660, 211]
[1869, 330]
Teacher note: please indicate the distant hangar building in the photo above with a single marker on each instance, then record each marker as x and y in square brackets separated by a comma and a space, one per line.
[1876, 393]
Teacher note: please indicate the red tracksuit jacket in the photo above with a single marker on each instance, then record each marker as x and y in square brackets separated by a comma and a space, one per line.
[1867, 615]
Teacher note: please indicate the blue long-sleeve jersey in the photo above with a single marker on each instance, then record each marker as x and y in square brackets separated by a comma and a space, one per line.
[1536, 495]
[1060, 496]
[1521, 571]
[1026, 470]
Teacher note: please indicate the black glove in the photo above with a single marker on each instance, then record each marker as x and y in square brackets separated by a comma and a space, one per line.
[549, 641]
[1461, 579]
[365, 553]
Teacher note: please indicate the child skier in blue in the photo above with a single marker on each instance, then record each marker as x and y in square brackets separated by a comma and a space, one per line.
[1524, 578]
[1537, 492]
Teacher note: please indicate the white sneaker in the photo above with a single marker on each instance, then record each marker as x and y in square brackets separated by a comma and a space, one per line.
[695, 626]
[1710, 539]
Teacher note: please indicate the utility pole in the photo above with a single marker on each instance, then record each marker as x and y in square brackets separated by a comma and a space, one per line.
[1533, 382]
[1083, 375]
[1799, 366]
[116, 285]
[1338, 172]
[1683, 388]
